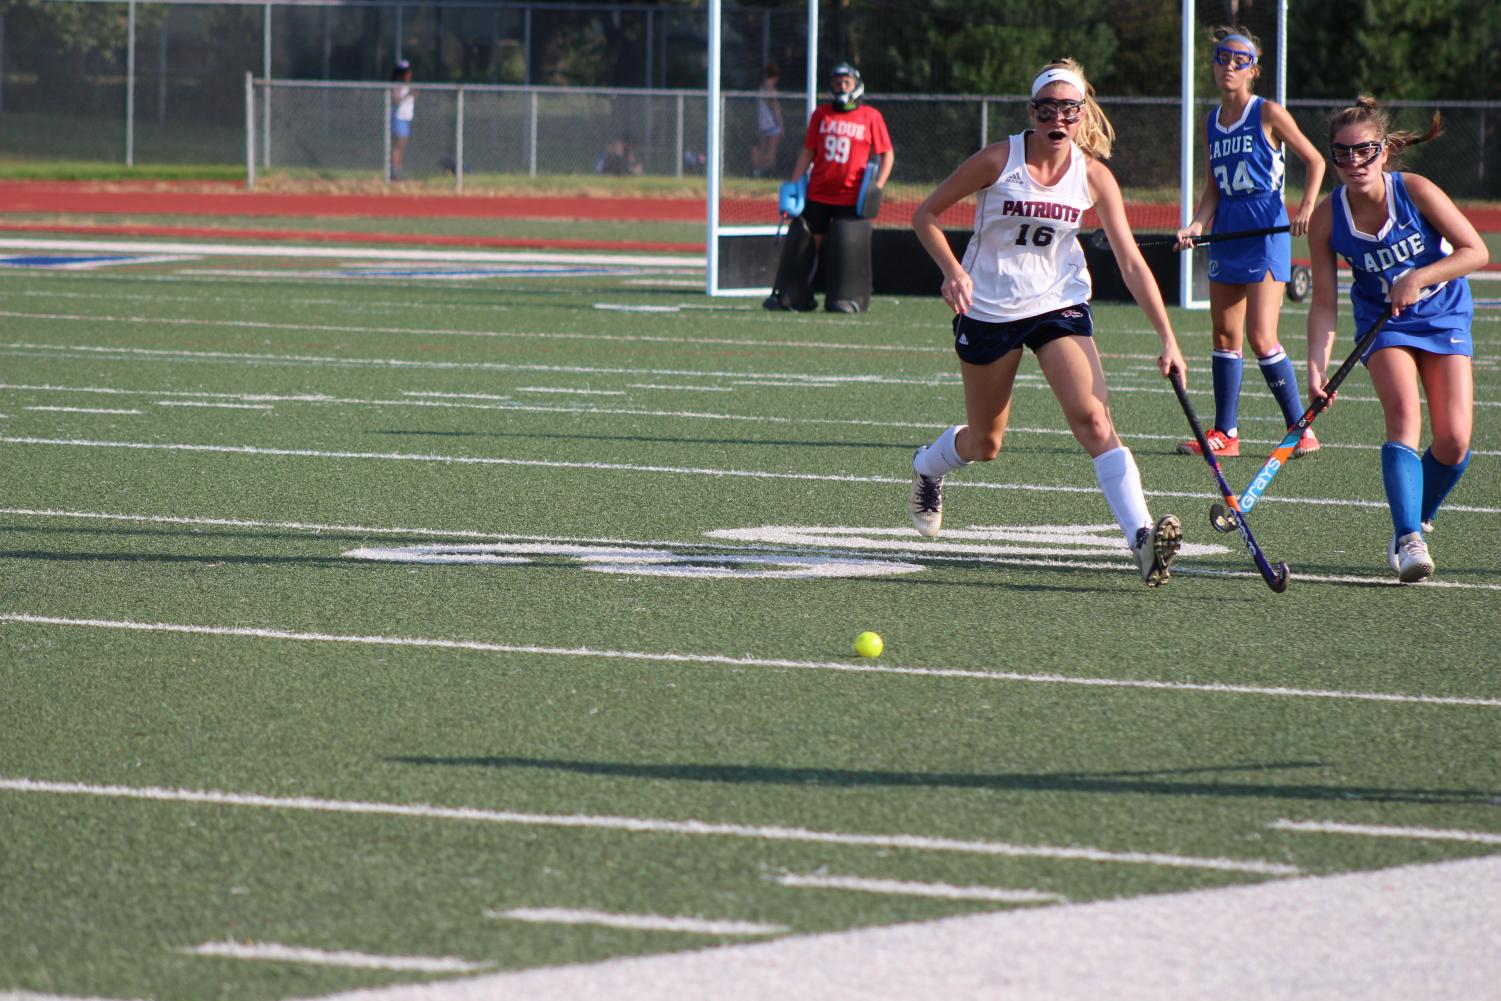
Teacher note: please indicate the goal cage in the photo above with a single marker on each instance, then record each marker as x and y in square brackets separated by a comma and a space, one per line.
[932, 135]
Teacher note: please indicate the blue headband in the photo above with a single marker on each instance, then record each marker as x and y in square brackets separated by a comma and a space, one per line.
[1240, 38]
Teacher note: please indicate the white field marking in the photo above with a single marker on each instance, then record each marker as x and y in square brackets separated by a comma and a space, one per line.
[453, 396]
[683, 389]
[172, 354]
[674, 283]
[685, 340]
[570, 392]
[835, 541]
[619, 307]
[113, 262]
[931, 551]
[795, 380]
[82, 410]
[1383, 831]
[348, 253]
[896, 887]
[474, 277]
[473, 460]
[649, 825]
[845, 666]
[636, 922]
[275, 953]
[1030, 540]
[207, 403]
[644, 562]
[1328, 938]
[779, 384]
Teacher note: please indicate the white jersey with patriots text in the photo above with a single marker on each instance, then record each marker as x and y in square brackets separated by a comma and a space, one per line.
[1024, 257]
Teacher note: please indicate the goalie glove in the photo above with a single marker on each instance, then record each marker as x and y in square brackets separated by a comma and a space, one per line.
[792, 196]
[868, 202]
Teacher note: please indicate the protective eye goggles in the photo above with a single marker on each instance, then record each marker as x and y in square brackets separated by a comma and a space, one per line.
[1357, 155]
[1234, 58]
[1068, 112]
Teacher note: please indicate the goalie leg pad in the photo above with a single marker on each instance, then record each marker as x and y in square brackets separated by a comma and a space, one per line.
[846, 261]
[794, 282]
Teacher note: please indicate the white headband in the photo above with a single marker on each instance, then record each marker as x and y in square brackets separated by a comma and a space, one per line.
[1057, 74]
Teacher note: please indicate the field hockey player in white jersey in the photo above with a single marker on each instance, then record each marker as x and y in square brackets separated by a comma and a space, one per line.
[1409, 249]
[1024, 283]
[1247, 139]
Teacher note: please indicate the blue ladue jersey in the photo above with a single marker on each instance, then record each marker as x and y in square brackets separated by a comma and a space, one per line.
[1440, 320]
[1243, 162]
[1248, 173]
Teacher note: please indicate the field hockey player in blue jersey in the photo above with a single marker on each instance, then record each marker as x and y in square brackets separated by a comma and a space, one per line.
[1247, 138]
[1022, 283]
[1409, 249]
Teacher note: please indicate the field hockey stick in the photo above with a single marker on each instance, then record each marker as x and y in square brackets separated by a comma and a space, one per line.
[1275, 579]
[1100, 240]
[1221, 517]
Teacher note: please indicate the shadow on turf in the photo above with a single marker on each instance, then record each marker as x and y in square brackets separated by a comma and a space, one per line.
[1148, 782]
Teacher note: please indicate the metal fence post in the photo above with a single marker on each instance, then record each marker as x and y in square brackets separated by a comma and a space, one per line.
[458, 141]
[249, 130]
[266, 102]
[531, 134]
[386, 145]
[984, 123]
[678, 170]
[130, 85]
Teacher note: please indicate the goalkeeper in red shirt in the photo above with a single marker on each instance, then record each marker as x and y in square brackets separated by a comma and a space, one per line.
[849, 150]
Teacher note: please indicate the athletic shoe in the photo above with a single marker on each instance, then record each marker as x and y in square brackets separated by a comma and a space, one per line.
[773, 303]
[1427, 528]
[1409, 557]
[1307, 443]
[926, 502]
[1155, 548]
[1221, 444]
[842, 306]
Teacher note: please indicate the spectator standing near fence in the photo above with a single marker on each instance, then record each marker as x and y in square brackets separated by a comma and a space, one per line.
[768, 125]
[403, 110]
[1247, 138]
[1409, 249]
[1023, 283]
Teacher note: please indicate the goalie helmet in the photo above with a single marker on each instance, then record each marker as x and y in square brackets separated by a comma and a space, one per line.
[846, 100]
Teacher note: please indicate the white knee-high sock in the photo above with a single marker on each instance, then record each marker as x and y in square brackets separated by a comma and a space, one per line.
[1121, 482]
[941, 457]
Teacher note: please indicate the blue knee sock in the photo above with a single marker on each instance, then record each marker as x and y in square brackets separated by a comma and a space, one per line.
[1402, 472]
[1277, 369]
[1438, 480]
[1226, 366]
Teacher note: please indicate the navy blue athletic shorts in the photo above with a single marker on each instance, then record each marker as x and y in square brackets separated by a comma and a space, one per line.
[980, 343]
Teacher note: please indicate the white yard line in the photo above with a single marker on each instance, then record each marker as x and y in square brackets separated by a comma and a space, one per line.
[272, 952]
[437, 399]
[82, 410]
[851, 666]
[570, 391]
[476, 460]
[686, 340]
[636, 922]
[347, 253]
[905, 888]
[649, 825]
[1389, 935]
[100, 351]
[1384, 831]
[207, 403]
